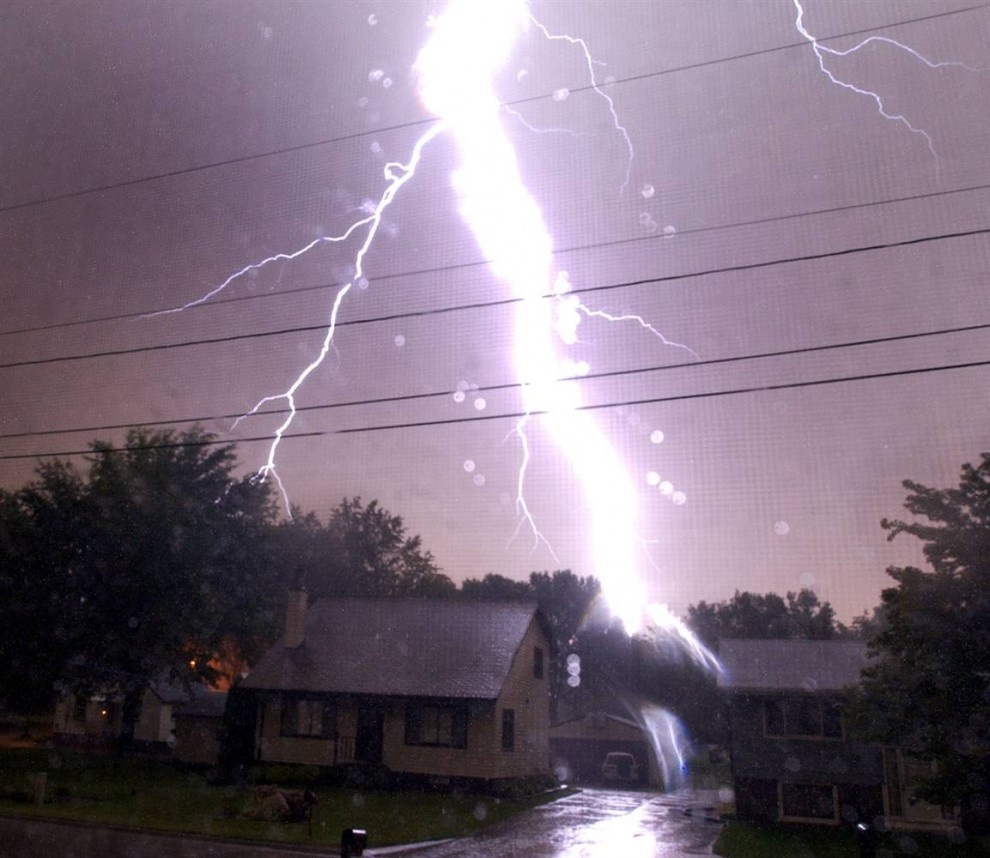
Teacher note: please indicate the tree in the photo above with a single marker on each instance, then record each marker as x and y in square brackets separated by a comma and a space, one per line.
[749, 615]
[154, 560]
[362, 550]
[928, 691]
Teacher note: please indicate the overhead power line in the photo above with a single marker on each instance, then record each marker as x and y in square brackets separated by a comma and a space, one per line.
[495, 388]
[320, 433]
[501, 302]
[329, 141]
[219, 302]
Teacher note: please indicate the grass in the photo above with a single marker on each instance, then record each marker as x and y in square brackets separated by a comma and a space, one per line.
[745, 840]
[158, 796]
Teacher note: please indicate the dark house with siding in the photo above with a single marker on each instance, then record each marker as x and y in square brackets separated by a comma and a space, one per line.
[435, 689]
[792, 757]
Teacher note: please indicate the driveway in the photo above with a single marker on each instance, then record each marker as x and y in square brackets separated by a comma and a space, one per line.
[595, 824]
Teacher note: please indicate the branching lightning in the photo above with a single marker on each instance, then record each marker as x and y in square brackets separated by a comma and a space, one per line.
[822, 50]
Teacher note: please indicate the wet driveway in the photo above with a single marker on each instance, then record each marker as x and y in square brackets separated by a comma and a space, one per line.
[595, 824]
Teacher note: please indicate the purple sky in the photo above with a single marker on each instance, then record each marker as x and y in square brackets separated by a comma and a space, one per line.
[743, 150]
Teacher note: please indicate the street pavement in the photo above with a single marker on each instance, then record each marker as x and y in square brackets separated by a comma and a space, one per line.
[590, 824]
[595, 824]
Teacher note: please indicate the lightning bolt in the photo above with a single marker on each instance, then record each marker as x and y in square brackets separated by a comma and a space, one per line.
[822, 50]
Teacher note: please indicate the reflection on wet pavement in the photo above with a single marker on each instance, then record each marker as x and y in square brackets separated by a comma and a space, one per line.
[595, 824]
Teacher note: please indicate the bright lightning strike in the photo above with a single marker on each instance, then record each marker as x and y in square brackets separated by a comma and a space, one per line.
[822, 50]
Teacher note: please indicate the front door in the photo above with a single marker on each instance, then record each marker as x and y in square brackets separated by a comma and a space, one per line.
[370, 726]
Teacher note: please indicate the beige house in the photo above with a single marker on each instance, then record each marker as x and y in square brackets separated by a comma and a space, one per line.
[439, 689]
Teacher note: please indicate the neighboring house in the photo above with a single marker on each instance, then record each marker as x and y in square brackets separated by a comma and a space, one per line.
[437, 689]
[792, 757]
[183, 721]
[579, 746]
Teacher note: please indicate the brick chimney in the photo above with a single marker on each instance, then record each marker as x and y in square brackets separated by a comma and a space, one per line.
[295, 616]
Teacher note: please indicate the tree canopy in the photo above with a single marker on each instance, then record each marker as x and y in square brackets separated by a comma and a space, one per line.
[750, 615]
[929, 691]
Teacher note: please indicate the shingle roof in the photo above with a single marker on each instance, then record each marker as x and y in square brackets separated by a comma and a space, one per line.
[400, 647]
[790, 665]
[192, 699]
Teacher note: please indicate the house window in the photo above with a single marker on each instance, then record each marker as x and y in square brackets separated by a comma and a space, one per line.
[808, 802]
[537, 662]
[308, 716]
[508, 729]
[802, 717]
[79, 708]
[436, 725]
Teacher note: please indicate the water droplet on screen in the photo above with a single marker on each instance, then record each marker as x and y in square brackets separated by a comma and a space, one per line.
[372, 20]
[669, 231]
[561, 94]
[400, 340]
[648, 191]
[267, 32]
[469, 465]
[807, 580]
[480, 404]
[653, 478]
[656, 437]
[480, 811]
[666, 488]
[459, 396]
[431, 20]
[362, 283]
[645, 218]
[679, 498]
[521, 74]
[479, 480]
[781, 528]
[375, 75]
[376, 147]
[574, 681]
[387, 83]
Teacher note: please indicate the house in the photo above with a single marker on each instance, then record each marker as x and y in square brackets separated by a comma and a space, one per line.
[183, 721]
[792, 757]
[579, 745]
[439, 690]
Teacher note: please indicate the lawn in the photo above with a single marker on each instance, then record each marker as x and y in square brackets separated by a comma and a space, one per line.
[156, 795]
[744, 840]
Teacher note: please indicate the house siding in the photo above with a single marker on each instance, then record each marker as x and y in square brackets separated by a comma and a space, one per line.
[761, 764]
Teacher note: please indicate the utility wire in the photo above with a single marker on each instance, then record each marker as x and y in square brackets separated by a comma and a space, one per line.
[112, 186]
[494, 388]
[501, 302]
[320, 433]
[467, 265]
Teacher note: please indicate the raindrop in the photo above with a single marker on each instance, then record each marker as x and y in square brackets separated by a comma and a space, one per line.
[267, 32]
[479, 480]
[459, 396]
[679, 498]
[375, 75]
[561, 94]
[781, 528]
[666, 488]
[362, 284]
[363, 101]
[372, 20]
[807, 580]
[521, 74]
[357, 800]
[582, 368]
[792, 764]
[463, 385]
[648, 191]
[400, 340]
[505, 498]
[469, 465]
[387, 83]
[656, 437]
[725, 795]
[480, 811]
[653, 478]
[669, 231]
[132, 623]
[574, 681]
[376, 147]
[645, 218]
[479, 404]
[431, 20]
[573, 660]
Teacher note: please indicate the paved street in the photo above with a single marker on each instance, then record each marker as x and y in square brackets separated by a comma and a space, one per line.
[591, 824]
[596, 824]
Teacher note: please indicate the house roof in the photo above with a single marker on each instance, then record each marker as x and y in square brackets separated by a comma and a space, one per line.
[192, 699]
[790, 665]
[400, 647]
